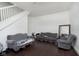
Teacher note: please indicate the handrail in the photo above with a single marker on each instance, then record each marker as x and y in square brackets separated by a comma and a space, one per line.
[7, 6]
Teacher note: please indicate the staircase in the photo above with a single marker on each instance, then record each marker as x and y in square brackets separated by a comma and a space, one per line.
[13, 20]
[8, 11]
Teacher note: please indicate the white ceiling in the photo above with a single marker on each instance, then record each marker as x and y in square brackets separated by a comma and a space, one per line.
[43, 8]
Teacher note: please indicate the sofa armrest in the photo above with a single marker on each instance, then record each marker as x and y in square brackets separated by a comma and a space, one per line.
[63, 41]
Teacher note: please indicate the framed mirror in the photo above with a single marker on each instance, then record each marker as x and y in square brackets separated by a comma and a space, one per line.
[64, 29]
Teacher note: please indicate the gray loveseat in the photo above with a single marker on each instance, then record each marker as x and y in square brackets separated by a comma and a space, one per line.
[47, 37]
[18, 41]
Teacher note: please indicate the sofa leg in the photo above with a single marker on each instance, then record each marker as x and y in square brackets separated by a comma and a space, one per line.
[16, 49]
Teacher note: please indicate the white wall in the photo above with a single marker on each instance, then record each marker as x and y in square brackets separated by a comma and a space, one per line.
[48, 23]
[74, 20]
[17, 26]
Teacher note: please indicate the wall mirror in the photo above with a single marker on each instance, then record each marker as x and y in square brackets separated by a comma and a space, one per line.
[64, 29]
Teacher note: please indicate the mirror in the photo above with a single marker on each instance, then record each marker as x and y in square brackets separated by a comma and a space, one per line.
[64, 29]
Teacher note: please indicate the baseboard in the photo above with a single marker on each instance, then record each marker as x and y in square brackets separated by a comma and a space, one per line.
[76, 50]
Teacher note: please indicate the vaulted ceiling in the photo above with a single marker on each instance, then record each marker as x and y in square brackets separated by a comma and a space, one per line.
[43, 8]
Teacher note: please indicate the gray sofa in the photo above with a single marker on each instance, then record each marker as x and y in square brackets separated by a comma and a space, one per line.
[18, 41]
[66, 41]
[1, 48]
[47, 37]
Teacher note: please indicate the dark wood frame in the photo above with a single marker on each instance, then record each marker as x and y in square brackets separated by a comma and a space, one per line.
[67, 25]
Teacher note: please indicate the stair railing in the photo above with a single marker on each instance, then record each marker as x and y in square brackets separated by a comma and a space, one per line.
[8, 11]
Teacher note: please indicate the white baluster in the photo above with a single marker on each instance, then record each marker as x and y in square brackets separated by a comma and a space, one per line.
[9, 12]
[4, 14]
[0, 14]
